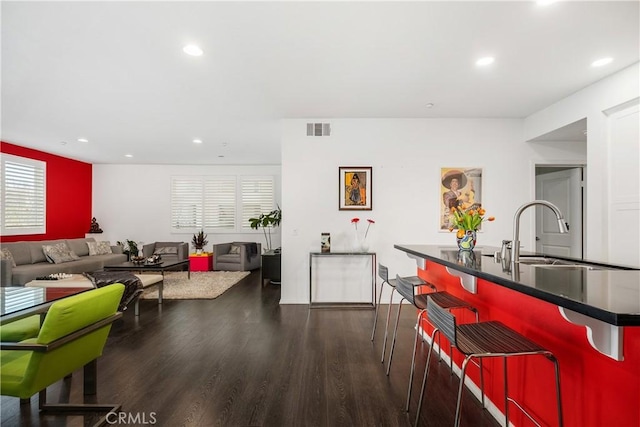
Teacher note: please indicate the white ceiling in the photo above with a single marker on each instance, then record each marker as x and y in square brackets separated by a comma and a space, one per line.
[115, 73]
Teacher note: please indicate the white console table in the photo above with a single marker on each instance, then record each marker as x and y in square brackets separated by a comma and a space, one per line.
[370, 300]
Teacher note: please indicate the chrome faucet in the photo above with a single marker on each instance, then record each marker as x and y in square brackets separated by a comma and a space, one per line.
[515, 244]
[505, 252]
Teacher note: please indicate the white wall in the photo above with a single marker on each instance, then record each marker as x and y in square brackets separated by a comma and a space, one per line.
[624, 185]
[133, 202]
[595, 103]
[406, 156]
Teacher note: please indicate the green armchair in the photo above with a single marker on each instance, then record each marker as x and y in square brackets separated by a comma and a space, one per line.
[72, 336]
[19, 330]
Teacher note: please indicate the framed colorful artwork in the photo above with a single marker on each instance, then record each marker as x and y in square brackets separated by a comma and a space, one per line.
[460, 188]
[354, 188]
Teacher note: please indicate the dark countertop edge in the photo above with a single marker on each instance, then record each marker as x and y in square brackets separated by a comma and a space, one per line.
[341, 253]
[588, 310]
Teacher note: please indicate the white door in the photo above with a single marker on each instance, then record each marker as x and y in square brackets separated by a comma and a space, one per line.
[563, 188]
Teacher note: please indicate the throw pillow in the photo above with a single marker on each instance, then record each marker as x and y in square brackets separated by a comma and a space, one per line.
[234, 249]
[166, 250]
[6, 254]
[99, 248]
[59, 253]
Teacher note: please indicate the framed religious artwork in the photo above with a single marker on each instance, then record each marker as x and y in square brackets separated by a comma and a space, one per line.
[354, 188]
[460, 188]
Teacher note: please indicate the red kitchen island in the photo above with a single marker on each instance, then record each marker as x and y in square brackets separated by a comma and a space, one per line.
[589, 317]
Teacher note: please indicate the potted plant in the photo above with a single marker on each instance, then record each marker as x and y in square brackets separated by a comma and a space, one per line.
[199, 241]
[267, 222]
[129, 248]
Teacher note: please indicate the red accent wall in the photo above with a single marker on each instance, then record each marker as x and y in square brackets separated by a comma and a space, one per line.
[68, 195]
[596, 390]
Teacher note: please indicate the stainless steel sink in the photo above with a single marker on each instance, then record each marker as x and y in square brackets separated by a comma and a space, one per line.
[535, 260]
[556, 263]
[544, 260]
[568, 266]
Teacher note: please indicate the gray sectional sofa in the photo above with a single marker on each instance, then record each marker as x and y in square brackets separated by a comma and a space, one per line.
[31, 261]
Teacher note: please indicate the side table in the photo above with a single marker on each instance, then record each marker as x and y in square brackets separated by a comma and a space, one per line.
[201, 262]
[271, 267]
[368, 302]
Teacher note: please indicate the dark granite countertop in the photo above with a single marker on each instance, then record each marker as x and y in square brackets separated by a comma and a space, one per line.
[608, 293]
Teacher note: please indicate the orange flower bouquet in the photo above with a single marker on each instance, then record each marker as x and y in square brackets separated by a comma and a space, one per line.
[467, 223]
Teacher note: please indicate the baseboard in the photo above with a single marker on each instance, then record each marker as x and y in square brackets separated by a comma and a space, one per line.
[292, 302]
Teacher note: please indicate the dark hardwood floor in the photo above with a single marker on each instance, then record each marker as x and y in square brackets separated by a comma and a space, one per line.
[244, 360]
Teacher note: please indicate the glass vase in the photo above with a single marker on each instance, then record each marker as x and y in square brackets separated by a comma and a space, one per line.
[355, 244]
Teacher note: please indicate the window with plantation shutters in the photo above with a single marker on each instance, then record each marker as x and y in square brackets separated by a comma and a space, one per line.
[220, 204]
[207, 203]
[257, 195]
[23, 204]
[186, 203]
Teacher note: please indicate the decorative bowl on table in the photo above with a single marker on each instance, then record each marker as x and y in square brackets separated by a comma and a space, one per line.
[138, 260]
[153, 260]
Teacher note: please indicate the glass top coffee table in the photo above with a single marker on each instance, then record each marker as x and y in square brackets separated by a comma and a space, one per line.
[17, 302]
[181, 265]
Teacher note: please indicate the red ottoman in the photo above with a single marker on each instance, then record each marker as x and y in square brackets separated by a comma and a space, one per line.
[201, 262]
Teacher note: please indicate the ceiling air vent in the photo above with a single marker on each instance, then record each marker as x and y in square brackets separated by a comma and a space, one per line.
[318, 129]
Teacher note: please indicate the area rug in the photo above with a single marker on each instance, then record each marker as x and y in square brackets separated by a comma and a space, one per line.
[202, 285]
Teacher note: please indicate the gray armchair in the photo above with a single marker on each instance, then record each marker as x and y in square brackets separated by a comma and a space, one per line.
[169, 251]
[237, 256]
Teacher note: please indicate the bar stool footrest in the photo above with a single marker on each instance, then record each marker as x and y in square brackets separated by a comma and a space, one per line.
[524, 411]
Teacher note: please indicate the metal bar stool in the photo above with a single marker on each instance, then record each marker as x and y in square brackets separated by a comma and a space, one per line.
[480, 340]
[383, 272]
[406, 289]
[446, 301]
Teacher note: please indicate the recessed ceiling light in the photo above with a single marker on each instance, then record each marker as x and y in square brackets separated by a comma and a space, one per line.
[487, 60]
[128, 155]
[83, 140]
[193, 50]
[197, 141]
[63, 142]
[221, 156]
[430, 105]
[602, 61]
[545, 2]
